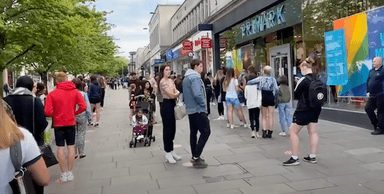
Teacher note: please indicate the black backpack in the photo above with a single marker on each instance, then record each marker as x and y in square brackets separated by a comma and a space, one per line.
[317, 93]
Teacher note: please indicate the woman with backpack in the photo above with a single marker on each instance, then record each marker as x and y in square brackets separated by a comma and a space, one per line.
[95, 97]
[269, 91]
[283, 99]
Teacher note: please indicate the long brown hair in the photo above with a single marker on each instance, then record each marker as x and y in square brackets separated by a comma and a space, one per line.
[101, 81]
[10, 133]
[228, 77]
[161, 75]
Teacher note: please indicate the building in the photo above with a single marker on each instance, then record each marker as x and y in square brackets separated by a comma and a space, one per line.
[159, 34]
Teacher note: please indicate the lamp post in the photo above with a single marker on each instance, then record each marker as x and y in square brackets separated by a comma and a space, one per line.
[132, 62]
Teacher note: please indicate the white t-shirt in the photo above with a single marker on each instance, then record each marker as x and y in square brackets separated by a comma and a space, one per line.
[253, 96]
[231, 90]
[30, 152]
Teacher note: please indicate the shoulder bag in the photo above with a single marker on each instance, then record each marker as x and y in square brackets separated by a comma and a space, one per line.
[180, 110]
[46, 150]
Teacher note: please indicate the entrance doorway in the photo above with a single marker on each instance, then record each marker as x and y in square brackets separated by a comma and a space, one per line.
[280, 58]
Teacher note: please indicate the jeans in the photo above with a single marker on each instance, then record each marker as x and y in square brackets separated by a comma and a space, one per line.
[254, 118]
[285, 116]
[199, 122]
[169, 123]
[376, 102]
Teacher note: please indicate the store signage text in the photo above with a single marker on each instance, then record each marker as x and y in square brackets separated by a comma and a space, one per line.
[264, 22]
[206, 43]
[379, 52]
[187, 45]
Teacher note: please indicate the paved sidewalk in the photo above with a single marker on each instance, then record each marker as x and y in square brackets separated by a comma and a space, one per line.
[350, 160]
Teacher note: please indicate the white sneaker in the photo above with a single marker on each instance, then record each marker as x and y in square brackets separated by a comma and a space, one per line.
[140, 137]
[175, 156]
[258, 135]
[222, 118]
[282, 134]
[64, 177]
[169, 158]
[228, 125]
[70, 176]
[253, 134]
[232, 126]
[245, 125]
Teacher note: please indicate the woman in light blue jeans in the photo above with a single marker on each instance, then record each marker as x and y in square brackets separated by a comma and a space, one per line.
[284, 105]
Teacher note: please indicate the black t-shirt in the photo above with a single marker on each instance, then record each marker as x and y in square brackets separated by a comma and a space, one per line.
[301, 92]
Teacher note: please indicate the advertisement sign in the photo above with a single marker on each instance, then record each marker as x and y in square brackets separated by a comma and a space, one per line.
[336, 54]
[176, 54]
[187, 45]
[206, 43]
[359, 63]
[184, 52]
[197, 42]
[158, 61]
[169, 55]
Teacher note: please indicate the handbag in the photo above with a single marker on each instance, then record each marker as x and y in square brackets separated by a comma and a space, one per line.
[46, 150]
[22, 182]
[180, 110]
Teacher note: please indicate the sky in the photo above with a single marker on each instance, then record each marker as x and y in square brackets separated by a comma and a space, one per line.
[129, 18]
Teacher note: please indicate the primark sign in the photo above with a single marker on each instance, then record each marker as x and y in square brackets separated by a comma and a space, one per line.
[276, 18]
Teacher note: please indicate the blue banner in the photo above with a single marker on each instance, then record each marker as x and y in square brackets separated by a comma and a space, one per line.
[176, 54]
[169, 55]
[336, 54]
[376, 33]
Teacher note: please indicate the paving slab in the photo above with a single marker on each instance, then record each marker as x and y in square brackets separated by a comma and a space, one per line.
[310, 184]
[220, 186]
[270, 189]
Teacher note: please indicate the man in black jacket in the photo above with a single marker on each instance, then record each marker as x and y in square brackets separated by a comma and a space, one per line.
[375, 96]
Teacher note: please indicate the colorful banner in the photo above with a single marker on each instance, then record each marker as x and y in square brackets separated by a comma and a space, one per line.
[336, 54]
[228, 60]
[237, 61]
[359, 64]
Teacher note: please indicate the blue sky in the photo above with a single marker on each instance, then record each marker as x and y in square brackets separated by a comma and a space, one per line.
[130, 17]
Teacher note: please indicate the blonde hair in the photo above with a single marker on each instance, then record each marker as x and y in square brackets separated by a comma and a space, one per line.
[10, 133]
[60, 76]
[308, 62]
[267, 70]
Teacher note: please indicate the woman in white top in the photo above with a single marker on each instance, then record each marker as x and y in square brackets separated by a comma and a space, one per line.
[231, 86]
[10, 135]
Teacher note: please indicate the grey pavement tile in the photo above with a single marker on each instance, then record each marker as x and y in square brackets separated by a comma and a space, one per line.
[370, 158]
[342, 170]
[259, 163]
[103, 174]
[238, 176]
[158, 167]
[270, 189]
[246, 150]
[231, 191]
[179, 182]
[350, 189]
[187, 172]
[266, 180]
[377, 186]
[268, 170]
[222, 170]
[94, 190]
[240, 158]
[129, 179]
[214, 179]
[339, 161]
[351, 179]
[89, 160]
[310, 184]
[139, 162]
[104, 166]
[374, 166]
[222, 152]
[362, 151]
[134, 156]
[140, 187]
[303, 175]
[371, 175]
[183, 190]
[216, 147]
[208, 188]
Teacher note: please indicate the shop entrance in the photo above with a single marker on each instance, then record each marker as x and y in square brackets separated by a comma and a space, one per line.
[280, 58]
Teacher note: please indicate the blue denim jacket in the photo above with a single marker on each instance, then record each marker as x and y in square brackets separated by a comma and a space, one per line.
[194, 95]
[267, 83]
[87, 113]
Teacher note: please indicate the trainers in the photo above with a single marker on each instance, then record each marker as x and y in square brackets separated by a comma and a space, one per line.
[232, 126]
[253, 134]
[282, 134]
[199, 163]
[169, 158]
[310, 160]
[258, 135]
[228, 125]
[291, 162]
[222, 118]
[245, 125]
[193, 160]
[70, 176]
[64, 177]
[175, 156]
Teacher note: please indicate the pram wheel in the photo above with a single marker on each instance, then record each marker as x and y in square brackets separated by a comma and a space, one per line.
[153, 138]
[146, 142]
[131, 144]
[135, 143]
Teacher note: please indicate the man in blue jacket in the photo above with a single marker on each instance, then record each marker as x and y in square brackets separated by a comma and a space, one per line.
[375, 94]
[196, 104]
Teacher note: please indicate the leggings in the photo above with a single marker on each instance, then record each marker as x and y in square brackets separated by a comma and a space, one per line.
[81, 127]
[220, 108]
[169, 123]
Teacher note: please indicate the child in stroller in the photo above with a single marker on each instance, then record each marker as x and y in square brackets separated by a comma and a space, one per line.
[142, 129]
[139, 123]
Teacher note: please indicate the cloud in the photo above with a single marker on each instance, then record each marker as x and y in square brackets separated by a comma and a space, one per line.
[127, 46]
[171, 1]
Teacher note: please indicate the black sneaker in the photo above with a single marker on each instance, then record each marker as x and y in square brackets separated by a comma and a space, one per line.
[291, 162]
[310, 160]
[199, 163]
[378, 131]
[193, 160]
[264, 133]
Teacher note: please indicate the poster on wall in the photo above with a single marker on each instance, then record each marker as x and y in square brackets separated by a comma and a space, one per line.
[228, 60]
[376, 33]
[359, 63]
[336, 54]
[237, 61]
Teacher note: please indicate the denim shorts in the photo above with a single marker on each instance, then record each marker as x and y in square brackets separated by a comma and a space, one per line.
[233, 101]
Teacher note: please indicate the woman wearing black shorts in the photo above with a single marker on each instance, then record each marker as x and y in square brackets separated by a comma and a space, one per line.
[304, 116]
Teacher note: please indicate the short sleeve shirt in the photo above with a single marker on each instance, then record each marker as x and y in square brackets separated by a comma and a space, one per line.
[31, 154]
[231, 90]
[166, 85]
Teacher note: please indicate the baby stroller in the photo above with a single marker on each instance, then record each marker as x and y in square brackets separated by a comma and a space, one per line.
[143, 131]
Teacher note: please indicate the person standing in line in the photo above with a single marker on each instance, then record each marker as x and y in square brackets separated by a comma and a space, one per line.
[61, 105]
[81, 122]
[284, 106]
[304, 116]
[269, 91]
[169, 92]
[95, 97]
[231, 86]
[253, 103]
[218, 87]
[153, 83]
[375, 96]
[28, 112]
[208, 91]
[40, 89]
[31, 159]
[196, 103]
[103, 86]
